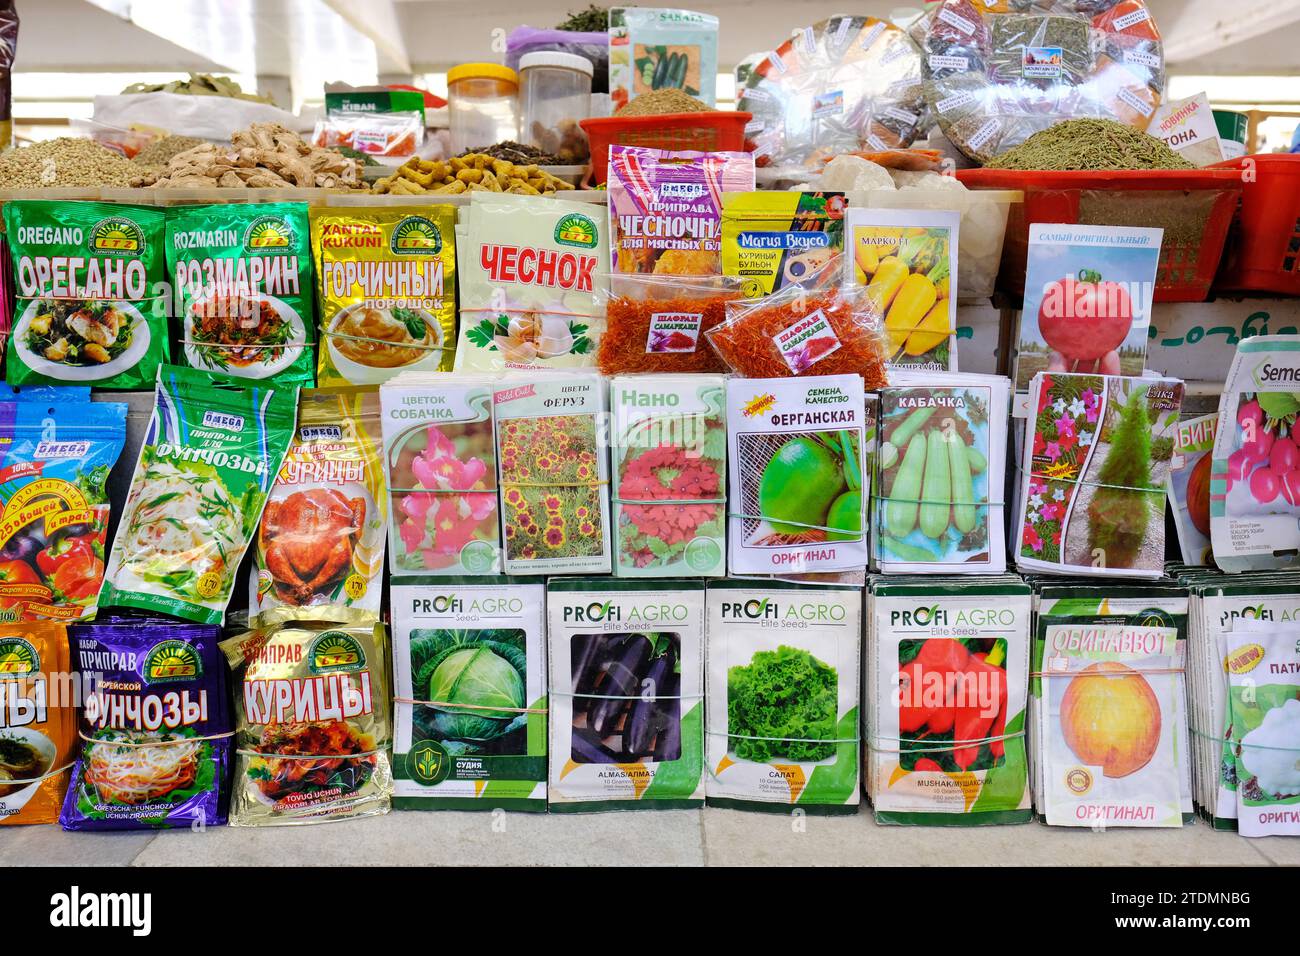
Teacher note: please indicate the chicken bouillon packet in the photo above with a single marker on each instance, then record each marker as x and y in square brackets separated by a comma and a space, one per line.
[387, 282]
[38, 721]
[313, 705]
[321, 540]
[88, 304]
[209, 457]
[242, 275]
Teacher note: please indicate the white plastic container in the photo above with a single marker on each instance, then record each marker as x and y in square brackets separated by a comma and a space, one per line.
[554, 94]
[482, 105]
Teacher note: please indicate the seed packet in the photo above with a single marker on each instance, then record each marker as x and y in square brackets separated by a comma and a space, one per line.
[907, 261]
[948, 665]
[1255, 482]
[669, 454]
[665, 208]
[1189, 486]
[771, 239]
[940, 471]
[242, 275]
[55, 459]
[322, 534]
[469, 669]
[88, 305]
[441, 467]
[156, 727]
[660, 323]
[531, 283]
[313, 707]
[38, 721]
[1088, 294]
[783, 691]
[657, 49]
[209, 458]
[797, 502]
[387, 286]
[627, 690]
[554, 475]
[1091, 497]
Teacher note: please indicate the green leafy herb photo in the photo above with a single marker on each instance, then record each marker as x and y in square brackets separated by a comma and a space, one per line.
[779, 705]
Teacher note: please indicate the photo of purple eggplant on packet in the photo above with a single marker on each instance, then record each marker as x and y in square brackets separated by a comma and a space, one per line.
[626, 707]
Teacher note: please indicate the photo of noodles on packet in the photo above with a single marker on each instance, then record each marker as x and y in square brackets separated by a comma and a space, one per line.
[155, 726]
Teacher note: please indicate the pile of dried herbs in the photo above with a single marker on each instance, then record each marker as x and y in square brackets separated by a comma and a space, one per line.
[592, 20]
[1090, 144]
[667, 100]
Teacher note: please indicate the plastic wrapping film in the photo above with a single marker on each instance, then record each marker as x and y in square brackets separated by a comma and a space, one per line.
[844, 84]
[998, 71]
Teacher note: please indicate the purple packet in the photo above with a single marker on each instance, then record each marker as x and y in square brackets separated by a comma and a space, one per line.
[156, 707]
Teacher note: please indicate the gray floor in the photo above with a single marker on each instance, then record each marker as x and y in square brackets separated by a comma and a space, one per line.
[685, 837]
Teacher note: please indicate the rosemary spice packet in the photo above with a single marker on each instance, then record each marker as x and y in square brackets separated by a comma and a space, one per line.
[242, 275]
[798, 493]
[441, 469]
[669, 454]
[554, 474]
[782, 695]
[469, 673]
[948, 666]
[627, 691]
[1094, 468]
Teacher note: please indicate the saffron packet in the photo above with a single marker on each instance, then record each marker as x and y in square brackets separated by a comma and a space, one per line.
[669, 455]
[554, 480]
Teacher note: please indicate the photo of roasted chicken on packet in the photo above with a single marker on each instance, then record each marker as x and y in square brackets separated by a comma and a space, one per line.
[321, 540]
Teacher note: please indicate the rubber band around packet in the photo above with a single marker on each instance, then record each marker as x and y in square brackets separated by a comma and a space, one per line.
[241, 345]
[1083, 481]
[91, 298]
[669, 501]
[936, 501]
[560, 693]
[1236, 742]
[326, 333]
[446, 703]
[43, 777]
[799, 524]
[155, 743]
[554, 484]
[446, 491]
[953, 745]
[272, 756]
[540, 310]
[1109, 674]
[789, 740]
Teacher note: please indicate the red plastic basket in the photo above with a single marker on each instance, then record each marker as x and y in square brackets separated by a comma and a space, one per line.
[1263, 250]
[704, 131]
[1194, 207]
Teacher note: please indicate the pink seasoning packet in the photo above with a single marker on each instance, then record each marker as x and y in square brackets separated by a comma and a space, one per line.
[665, 208]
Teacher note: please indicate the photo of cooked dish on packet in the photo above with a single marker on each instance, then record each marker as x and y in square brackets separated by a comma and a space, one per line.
[387, 287]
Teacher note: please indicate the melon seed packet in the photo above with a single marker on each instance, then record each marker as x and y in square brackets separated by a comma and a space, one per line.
[242, 275]
[209, 458]
[38, 721]
[89, 309]
[387, 283]
[772, 239]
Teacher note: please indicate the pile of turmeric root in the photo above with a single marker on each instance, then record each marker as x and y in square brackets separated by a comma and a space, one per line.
[476, 172]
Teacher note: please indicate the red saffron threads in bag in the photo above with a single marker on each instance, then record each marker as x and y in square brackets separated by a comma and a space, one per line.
[832, 331]
[662, 334]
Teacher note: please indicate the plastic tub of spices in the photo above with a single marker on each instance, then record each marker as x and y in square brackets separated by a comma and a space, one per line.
[554, 96]
[482, 105]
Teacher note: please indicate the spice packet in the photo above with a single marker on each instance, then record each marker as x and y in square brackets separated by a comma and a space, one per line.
[907, 261]
[669, 454]
[554, 474]
[1088, 295]
[322, 534]
[658, 323]
[208, 460]
[469, 672]
[156, 727]
[313, 706]
[530, 283]
[939, 474]
[242, 275]
[1255, 482]
[656, 49]
[665, 208]
[771, 239]
[627, 691]
[816, 328]
[387, 286]
[441, 467]
[783, 692]
[797, 502]
[55, 459]
[1189, 486]
[1093, 473]
[947, 662]
[88, 304]
[38, 721]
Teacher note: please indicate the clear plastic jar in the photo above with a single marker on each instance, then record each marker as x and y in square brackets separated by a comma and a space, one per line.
[554, 95]
[482, 105]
